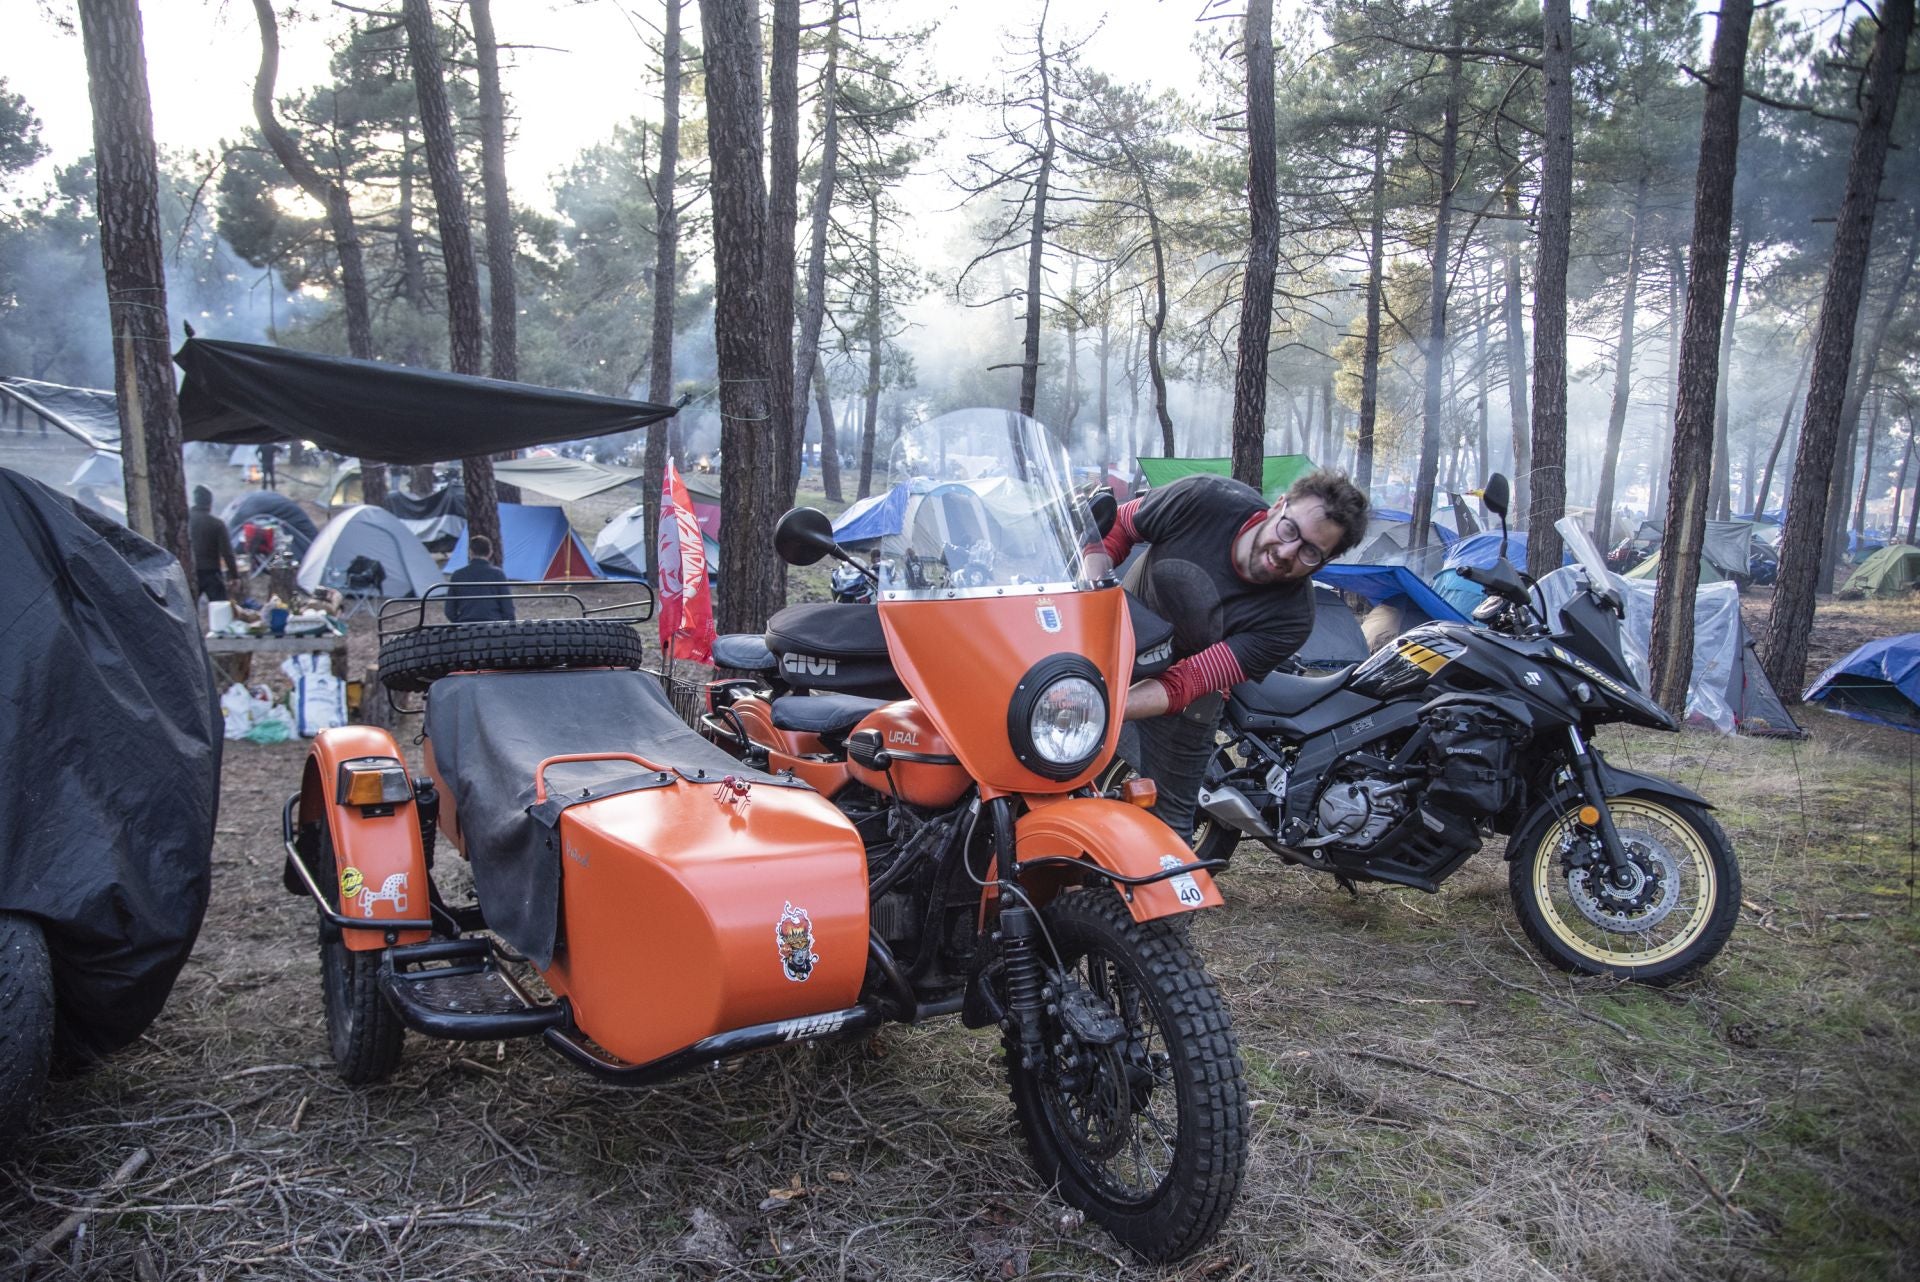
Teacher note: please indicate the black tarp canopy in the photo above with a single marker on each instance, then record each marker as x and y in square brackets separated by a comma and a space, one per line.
[243, 393]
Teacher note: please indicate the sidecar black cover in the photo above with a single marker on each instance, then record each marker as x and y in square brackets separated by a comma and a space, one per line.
[111, 732]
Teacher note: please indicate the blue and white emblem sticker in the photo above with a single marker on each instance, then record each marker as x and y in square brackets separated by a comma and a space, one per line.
[1049, 616]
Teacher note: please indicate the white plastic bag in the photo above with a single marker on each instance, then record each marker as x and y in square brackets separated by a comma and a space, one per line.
[319, 697]
[236, 705]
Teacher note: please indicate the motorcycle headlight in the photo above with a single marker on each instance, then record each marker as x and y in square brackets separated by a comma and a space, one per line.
[1058, 718]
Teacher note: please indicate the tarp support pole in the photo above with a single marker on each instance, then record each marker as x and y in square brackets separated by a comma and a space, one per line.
[57, 420]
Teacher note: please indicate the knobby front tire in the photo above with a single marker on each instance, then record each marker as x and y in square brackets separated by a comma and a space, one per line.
[1151, 1142]
[26, 1023]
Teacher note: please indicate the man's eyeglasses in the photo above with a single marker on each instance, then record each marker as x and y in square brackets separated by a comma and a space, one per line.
[1289, 531]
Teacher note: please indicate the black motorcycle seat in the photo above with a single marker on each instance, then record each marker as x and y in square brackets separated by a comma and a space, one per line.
[830, 716]
[1152, 640]
[828, 628]
[743, 652]
[1280, 694]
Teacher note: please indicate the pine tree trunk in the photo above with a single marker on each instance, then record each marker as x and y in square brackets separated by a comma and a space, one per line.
[1779, 438]
[1155, 372]
[1622, 379]
[1480, 394]
[787, 432]
[1036, 247]
[1722, 481]
[829, 442]
[1263, 250]
[740, 321]
[1549, 490]
[1783, 651]
[503, 299]
[1900, 486]
[871, 423]
[1436, 345]
[456, 244]
[666, 249]
[1518, 417]
[1866, 471]
[128, 177]
[1370, 354]
[1670, 654]
[1663, 453]
[813, 308]
[340, 222]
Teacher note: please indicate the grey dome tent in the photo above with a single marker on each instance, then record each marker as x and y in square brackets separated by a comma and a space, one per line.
[364, 537]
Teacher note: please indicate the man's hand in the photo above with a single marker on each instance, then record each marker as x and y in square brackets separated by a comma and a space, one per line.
[1146, 698]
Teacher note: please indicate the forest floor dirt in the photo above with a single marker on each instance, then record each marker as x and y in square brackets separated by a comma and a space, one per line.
[1430, 1100]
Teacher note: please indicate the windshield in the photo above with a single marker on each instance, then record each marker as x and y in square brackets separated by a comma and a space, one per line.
[1584, 551]
[978, 502]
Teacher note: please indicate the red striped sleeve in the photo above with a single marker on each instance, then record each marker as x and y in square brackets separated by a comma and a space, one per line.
[1214, 668]
[1121, 538]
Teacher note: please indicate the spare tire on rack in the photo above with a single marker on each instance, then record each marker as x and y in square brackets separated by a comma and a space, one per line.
[411, 661]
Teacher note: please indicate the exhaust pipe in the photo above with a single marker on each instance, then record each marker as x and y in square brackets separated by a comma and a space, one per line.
[1230, 806]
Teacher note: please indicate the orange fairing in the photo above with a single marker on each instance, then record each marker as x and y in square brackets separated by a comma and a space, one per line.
[694, 909]
[962, 659]
[380, 872]
[1120, 838]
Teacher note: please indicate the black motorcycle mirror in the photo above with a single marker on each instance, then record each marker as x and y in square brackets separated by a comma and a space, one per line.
[804, 535]
[1495, 496]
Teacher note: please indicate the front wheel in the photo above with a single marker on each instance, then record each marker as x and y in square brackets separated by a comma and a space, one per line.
[1669, 918]
[363, 1032]
[1138, 1112]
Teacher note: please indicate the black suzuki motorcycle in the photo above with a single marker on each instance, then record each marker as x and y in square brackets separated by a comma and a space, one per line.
[1393, 770]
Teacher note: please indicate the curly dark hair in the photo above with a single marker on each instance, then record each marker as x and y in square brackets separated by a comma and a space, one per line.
[1345, 505]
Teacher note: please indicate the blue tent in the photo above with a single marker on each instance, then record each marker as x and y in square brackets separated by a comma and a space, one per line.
[873, 518]
[537, 543]
[1457, 592]
[1483, 549]
[1878, 682]
[1382, 584]
[1400, 516]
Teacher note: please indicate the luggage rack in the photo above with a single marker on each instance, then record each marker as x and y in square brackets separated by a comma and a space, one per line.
[409, 614]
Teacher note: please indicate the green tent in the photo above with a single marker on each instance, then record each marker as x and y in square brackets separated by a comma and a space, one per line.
[1888, 572]
[1650, 569]
[1277, 471]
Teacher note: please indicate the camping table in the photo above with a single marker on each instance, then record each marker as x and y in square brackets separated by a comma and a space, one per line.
[234, 655]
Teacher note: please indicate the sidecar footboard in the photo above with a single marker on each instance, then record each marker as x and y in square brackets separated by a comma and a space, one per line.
[833, 1023]
[454, 988]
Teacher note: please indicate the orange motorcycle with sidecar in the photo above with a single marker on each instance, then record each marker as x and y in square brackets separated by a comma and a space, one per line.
[938, 850]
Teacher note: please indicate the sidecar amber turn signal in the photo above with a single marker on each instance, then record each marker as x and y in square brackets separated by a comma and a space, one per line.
[1589, 815]
[372, 781]
[1139, 792]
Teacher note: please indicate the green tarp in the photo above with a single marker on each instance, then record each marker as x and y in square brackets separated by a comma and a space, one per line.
[1277, 471]
[1650, 569]
[1888, 572]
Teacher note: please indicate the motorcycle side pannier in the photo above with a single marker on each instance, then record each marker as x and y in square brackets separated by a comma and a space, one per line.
[1475, 749]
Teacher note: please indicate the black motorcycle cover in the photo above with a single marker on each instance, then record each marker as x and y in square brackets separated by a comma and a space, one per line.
[111, 730]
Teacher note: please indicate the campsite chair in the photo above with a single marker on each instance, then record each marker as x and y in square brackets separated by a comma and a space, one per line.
[361, 584]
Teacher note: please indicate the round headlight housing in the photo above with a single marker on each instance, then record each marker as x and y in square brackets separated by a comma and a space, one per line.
[1058, 718]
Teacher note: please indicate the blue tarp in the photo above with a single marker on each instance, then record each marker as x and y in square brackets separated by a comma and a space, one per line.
[1878, 682]
[1457, 592]
[532, 539]
[1405, 517]
[1381, 584]
[1483, 549]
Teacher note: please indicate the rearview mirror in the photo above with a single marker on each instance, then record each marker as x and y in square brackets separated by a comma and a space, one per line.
[1495, 496]
[803, 536]
[1105, 509]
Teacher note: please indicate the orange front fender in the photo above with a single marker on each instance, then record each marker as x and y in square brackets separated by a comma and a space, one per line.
[380, 868]
[1120, 838]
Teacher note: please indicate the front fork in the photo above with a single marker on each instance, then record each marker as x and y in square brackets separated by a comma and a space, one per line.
[1618, 865]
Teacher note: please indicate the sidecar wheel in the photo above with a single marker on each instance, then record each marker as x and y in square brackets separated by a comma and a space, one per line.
[1149, 1136]
[1671, 922]
[411, 661]
[363, 1032]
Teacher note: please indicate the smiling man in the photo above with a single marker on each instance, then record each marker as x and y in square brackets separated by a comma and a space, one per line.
[1233, 576]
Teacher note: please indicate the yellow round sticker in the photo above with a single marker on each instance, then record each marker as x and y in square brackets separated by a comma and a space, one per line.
[350, 883]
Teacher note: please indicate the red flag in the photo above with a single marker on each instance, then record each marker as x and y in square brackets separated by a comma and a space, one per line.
[686, 605]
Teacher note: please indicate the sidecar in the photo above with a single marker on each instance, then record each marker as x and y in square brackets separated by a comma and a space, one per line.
[673, 905]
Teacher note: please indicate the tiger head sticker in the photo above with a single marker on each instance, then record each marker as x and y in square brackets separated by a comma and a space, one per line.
[793, 935]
